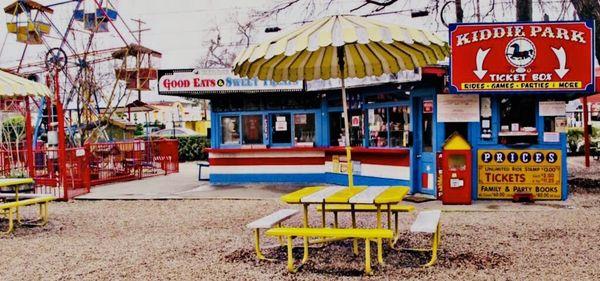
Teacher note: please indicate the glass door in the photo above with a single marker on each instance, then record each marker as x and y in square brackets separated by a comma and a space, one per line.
[424, 171]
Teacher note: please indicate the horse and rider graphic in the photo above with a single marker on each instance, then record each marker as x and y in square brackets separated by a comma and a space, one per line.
[518, 54]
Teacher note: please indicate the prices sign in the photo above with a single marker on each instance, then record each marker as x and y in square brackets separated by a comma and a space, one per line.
[502, 173]
[522, 57]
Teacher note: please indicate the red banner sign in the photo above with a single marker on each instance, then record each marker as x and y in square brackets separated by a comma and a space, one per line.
[522, 57]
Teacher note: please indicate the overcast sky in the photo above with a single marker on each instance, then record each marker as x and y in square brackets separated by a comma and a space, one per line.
[180, 29]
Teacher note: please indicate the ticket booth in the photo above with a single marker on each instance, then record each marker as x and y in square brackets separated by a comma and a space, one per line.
[456, 171]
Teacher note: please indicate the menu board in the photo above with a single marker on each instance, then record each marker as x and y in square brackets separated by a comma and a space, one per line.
[502, 173]
[458, 108]
[552, 108]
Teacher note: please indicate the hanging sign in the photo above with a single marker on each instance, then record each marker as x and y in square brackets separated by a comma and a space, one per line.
[458, 108]
[427, 106]
[194, 82]
[553, 108]
[522, 57]
[502, 173]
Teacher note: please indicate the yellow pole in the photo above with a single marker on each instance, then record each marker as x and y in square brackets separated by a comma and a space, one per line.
[340, 55]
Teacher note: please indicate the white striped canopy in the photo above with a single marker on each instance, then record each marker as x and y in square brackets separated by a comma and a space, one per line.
[15, 86]
[370, 47]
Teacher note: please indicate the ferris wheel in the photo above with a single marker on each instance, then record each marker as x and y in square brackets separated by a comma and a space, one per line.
[77, 66]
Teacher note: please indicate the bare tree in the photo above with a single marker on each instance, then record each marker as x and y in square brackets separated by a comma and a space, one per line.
[220, 54]
[589, 10]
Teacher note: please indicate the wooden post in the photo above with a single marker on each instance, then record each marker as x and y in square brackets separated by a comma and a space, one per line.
[524, 10]
[459, 10]
[586, 132]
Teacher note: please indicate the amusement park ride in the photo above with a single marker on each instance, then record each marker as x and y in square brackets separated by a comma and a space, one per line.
[32, 24]
[73, 74]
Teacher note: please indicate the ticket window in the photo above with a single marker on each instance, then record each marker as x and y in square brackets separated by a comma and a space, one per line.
[518, 120]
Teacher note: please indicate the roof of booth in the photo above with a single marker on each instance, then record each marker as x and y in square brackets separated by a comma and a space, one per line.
[15, 86]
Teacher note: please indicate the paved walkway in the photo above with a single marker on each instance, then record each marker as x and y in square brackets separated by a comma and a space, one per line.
[184, 185]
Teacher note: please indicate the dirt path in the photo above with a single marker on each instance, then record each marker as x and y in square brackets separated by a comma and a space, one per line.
[206, 239]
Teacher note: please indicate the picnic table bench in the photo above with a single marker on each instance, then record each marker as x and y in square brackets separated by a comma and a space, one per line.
[375, 196]
[364, 233]
[428, 222]
[267, 222]
[11, 209]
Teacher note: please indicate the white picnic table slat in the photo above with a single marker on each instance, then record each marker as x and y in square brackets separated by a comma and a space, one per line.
[426, 221]
[368, 195]
[272, 219]
[320, 195]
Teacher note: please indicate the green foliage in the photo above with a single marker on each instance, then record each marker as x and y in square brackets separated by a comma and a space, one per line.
[12, 124]
[139, 130]
[574, 138]
[192, 148]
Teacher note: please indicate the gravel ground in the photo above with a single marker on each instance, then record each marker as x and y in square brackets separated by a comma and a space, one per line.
[206, 239]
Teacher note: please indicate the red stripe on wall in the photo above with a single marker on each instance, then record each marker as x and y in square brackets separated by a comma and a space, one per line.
[267, 161]
[378, 159]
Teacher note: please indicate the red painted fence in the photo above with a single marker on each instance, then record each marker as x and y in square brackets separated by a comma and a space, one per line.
[94, 164]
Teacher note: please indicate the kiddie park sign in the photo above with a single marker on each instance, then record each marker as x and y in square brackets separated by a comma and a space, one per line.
[522, 57]
[193, 82]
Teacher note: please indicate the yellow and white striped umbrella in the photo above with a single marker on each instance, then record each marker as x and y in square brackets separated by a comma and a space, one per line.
[15, 86]
[369, 48]
[342, 46]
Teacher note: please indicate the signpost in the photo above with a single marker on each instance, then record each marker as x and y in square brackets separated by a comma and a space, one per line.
[522, 57]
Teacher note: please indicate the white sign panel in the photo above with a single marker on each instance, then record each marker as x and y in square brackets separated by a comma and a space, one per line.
[204, 81]
[400, 77]
[553, 108]
[458, 108]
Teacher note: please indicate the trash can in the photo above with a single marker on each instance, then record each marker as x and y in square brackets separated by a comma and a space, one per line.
[203, 171]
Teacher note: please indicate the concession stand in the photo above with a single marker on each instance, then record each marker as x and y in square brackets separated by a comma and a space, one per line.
[266, 131]
[499, 105]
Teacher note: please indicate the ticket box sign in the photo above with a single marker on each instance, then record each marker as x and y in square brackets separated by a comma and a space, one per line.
[522, 57]
[502, 173]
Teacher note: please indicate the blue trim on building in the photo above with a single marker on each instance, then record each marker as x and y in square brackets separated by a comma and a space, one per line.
[342, 179]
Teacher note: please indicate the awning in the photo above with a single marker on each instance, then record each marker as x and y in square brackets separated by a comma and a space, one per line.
[15, 86]
[369, 48]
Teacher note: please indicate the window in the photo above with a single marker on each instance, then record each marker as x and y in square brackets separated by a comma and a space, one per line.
[518, 121]
[378, 127]
[304, 129]
[336, 129]
[252, 129]
[399, 126]
[230, 130]
[389, 126]
[427, 130]
[281, 128]
[517, 114]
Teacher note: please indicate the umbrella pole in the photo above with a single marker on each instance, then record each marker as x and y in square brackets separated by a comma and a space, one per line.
[350, 169]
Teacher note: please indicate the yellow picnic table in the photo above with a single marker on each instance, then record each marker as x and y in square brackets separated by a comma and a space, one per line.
[10, 208]
[357, 195]
[15, 184]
